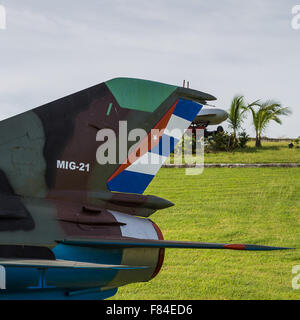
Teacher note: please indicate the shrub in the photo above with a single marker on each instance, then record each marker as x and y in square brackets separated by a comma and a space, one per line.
[223, 141]
[243, 139]
[297, 142]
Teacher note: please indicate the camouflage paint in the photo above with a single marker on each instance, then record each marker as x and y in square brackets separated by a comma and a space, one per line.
[42, 205]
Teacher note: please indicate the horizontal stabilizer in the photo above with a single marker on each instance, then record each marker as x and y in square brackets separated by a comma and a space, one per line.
[28, 263]
[130, 243]
[132, 200]
[195, 95]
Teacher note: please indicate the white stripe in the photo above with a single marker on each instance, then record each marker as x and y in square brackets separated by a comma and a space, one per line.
[139, 228]
[149, 163]
[2, 278]
[176, 127]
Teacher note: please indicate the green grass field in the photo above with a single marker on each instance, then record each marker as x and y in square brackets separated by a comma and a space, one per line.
[254, 205]
[271, 152]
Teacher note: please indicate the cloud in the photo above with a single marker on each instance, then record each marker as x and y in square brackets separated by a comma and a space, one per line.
[52, 49]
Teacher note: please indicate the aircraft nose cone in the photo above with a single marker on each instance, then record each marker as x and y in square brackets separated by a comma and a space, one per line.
[224, 115]
[211, 116]
[158, 203]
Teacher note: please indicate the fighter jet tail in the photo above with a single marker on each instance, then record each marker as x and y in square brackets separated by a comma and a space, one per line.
[56, 147]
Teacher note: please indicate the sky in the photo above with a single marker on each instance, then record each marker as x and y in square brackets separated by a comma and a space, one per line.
[50, 49]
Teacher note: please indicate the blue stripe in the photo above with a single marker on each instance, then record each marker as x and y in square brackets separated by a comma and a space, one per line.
[130, 182]
[134, 182]
[165, 146]
[187, 109]
[21, 280]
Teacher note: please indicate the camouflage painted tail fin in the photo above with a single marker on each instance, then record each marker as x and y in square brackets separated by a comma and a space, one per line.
[54, 147]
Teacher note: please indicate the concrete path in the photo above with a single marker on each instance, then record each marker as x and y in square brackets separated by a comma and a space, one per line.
[236, 165]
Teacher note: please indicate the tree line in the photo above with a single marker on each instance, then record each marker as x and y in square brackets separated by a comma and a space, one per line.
[262, 112]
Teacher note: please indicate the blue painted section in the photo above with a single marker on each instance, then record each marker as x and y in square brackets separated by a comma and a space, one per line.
[187, 109]
[18, 279]
[134, 182]
[92, 255]
[130, 182]
[26, 283]
[166, 145]
[88, 277]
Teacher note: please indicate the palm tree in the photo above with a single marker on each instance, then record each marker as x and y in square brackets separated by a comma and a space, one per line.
[268, 111]
[236, 113]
